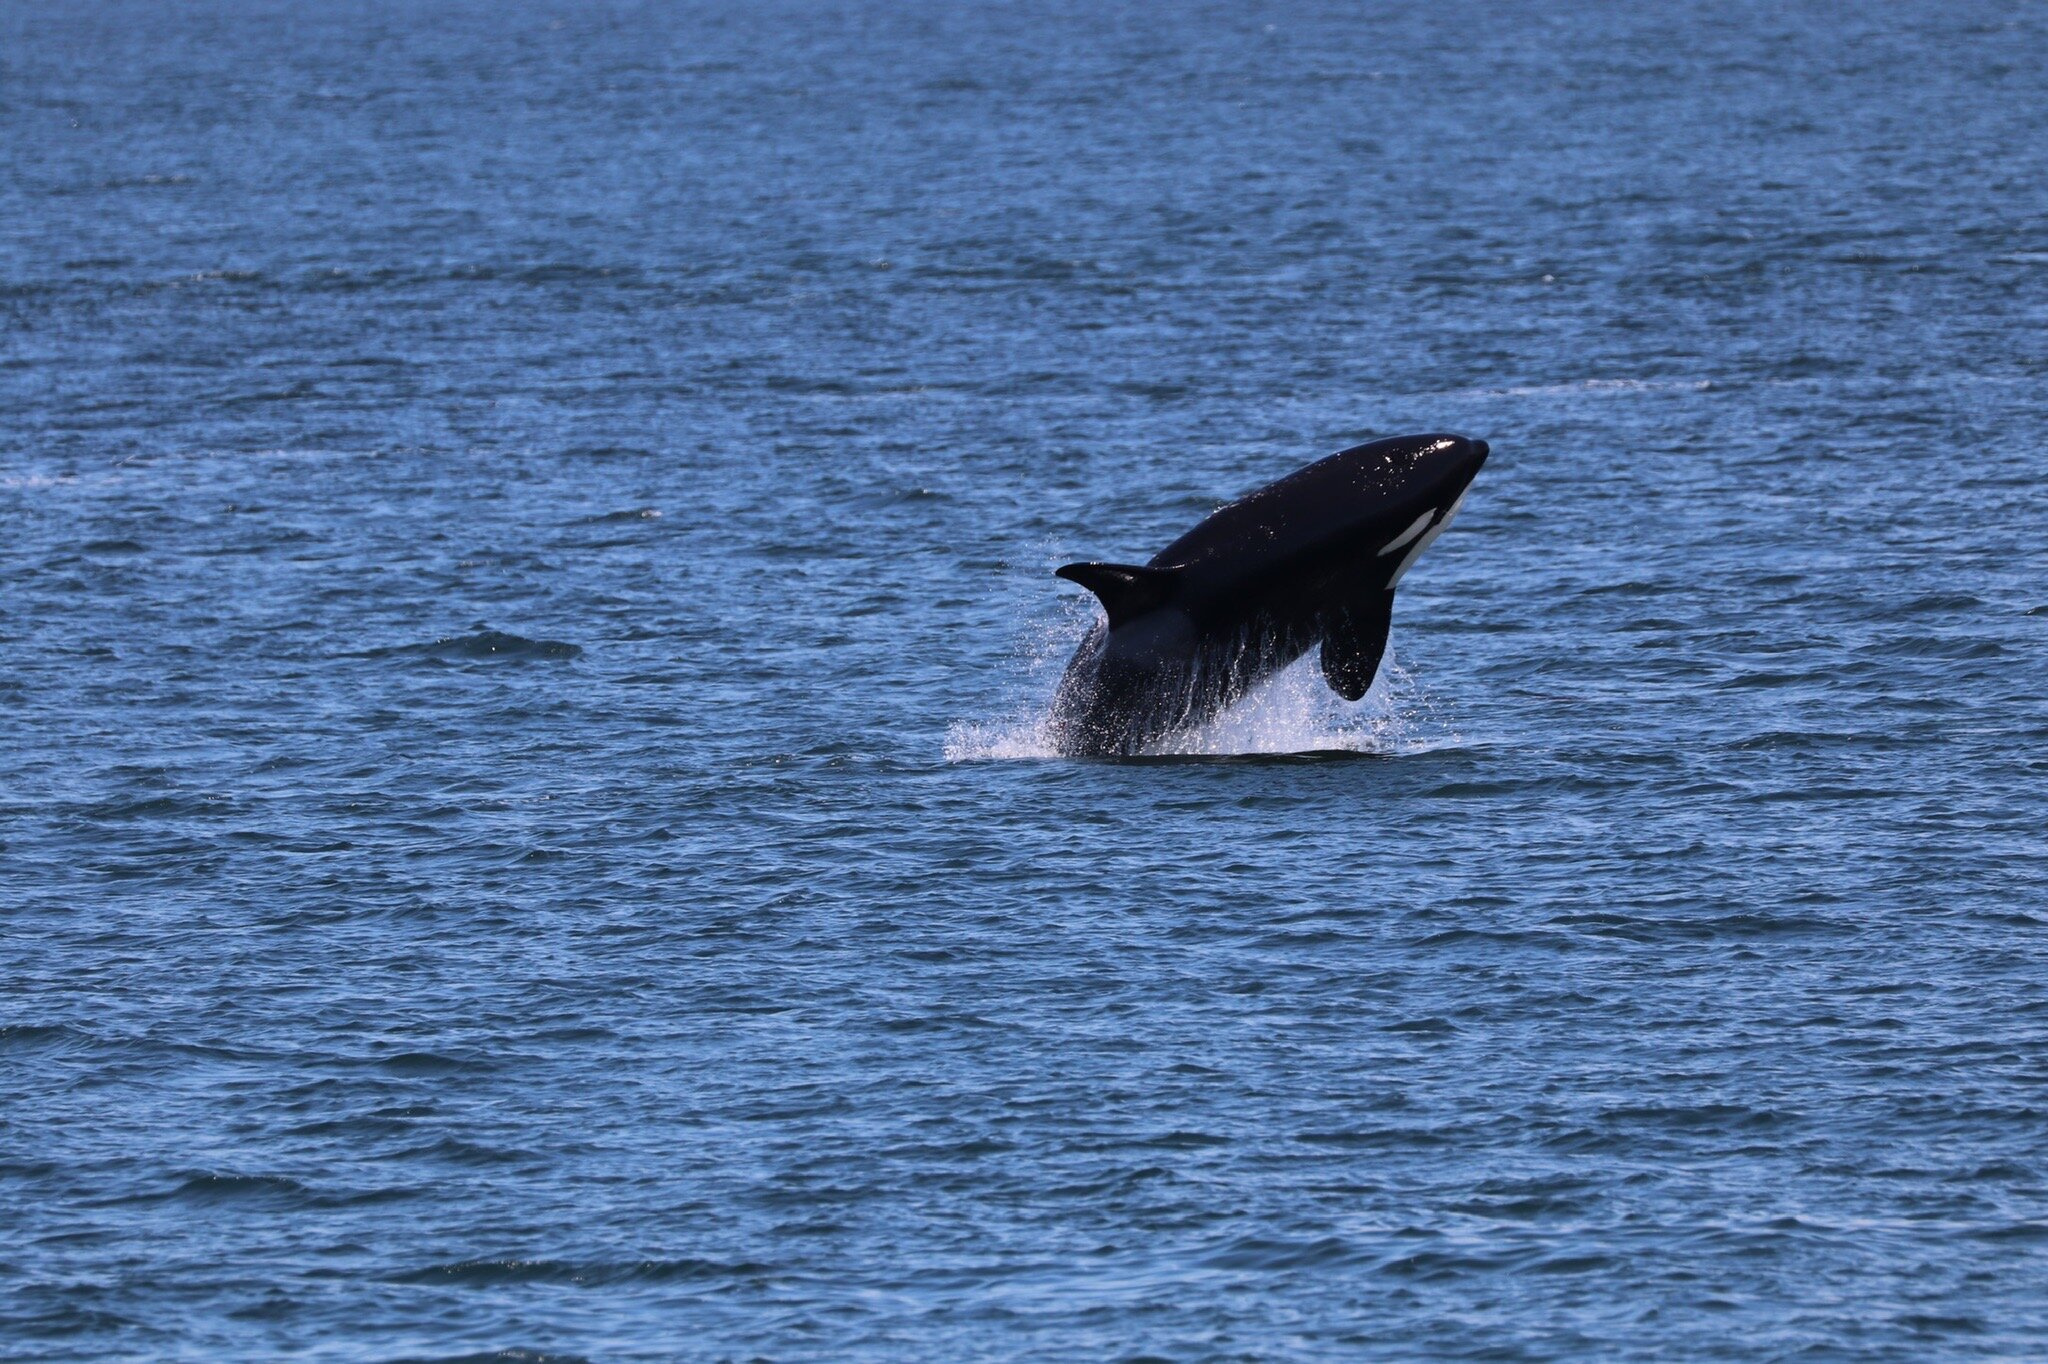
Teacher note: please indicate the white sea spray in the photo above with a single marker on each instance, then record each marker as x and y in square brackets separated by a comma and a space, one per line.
[1292, 712]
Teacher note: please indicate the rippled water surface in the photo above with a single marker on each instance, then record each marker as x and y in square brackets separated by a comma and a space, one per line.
[525, 613]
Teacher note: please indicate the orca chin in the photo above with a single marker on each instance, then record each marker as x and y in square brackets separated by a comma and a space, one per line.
[1310, 561]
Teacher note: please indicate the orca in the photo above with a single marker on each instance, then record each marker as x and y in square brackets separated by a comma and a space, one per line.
[1310, 560]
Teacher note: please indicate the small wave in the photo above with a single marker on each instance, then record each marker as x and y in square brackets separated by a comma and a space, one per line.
[42, 1036]
[1273, 1253]
[484, 644]
[620, 517]
[497, 1272]
[1589, 386]
[215, 1189]
[153, 181]
[424, 1063]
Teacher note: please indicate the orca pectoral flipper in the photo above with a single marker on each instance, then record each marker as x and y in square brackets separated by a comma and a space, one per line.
[1354, 641]
[1125, 590]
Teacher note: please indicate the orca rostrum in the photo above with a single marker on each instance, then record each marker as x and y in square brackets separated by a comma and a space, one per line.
[1310, 560]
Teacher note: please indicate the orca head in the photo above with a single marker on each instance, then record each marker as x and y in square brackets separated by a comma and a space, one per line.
[1433, 474]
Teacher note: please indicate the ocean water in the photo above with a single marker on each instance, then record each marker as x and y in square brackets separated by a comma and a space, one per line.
[525, 620]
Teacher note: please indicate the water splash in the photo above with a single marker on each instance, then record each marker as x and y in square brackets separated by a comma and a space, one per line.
[1293, 712]
[1296, 712]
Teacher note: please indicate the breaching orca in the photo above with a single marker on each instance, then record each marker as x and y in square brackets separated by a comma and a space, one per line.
[1311, 559]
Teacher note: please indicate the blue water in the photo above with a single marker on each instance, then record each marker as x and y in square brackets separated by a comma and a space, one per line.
[525, 617]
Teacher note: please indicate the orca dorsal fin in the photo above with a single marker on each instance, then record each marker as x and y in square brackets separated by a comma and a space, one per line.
[1125, 590]
[1354, 640]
